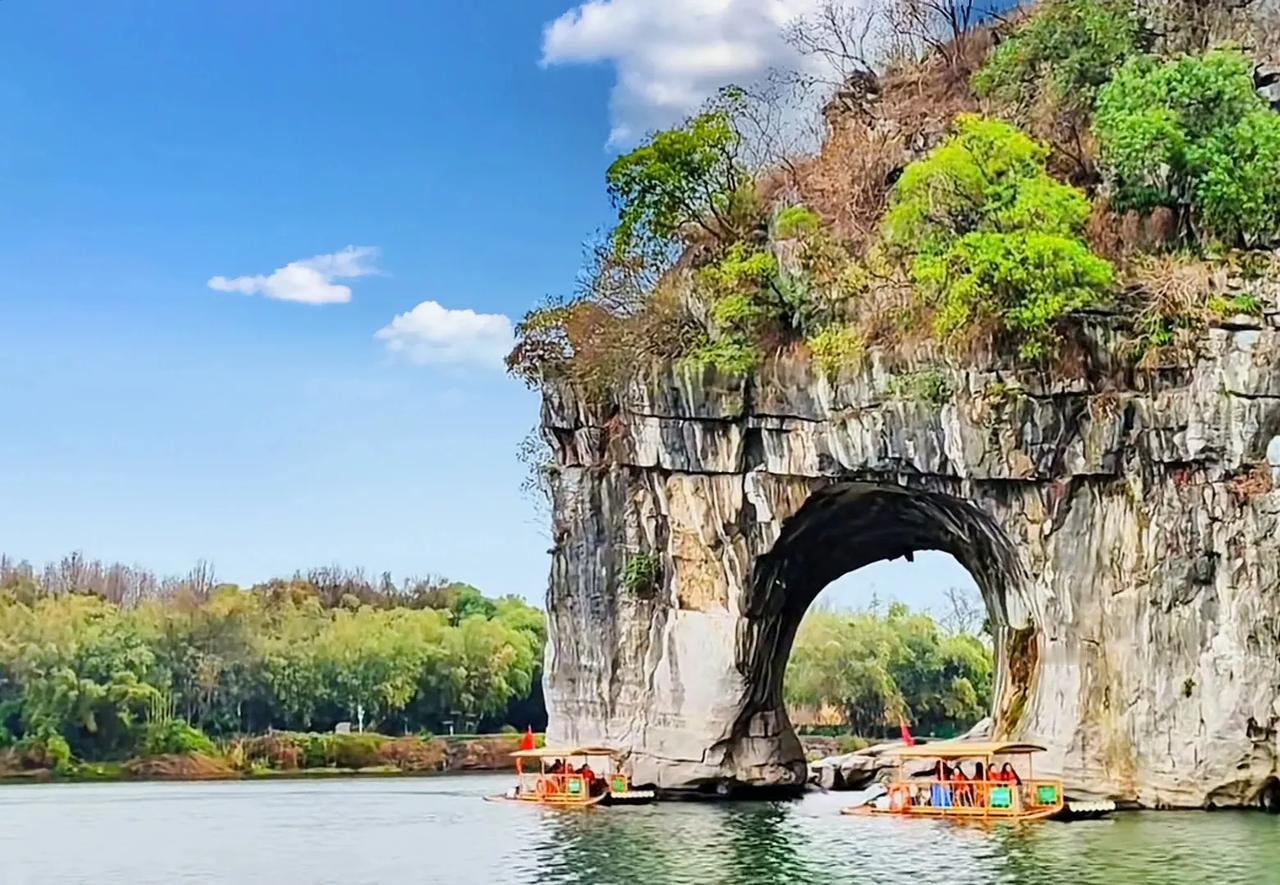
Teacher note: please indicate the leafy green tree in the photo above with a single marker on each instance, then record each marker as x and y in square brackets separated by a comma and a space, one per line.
[846, 662]
[211, 652]
[990, 239]
[469, 602]
[497, 663]
[689, 176]
[519, 615]
[84, 671]
[1059, 57]
[370, 661]
[1193, 135]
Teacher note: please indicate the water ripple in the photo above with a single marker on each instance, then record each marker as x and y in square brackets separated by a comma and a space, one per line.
[437, 830]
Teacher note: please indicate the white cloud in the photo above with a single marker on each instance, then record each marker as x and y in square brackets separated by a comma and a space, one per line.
[431, 333]
[309, 281]
[671, 55]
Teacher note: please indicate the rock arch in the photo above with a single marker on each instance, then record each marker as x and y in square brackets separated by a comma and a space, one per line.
[1125, 524]
[839, 529]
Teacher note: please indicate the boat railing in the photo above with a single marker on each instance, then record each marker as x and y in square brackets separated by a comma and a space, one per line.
[966, 797]
[567, 787]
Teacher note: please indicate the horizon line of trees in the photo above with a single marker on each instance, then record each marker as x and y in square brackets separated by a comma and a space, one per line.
[98, 659]
[130, 585]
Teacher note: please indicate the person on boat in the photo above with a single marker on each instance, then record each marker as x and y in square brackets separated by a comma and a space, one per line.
[1009, 775]
[595, 783]
[557, 767]
[962, 792]
[979, 784]
[940, 792]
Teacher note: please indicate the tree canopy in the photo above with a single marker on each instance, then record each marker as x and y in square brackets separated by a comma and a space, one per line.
[684, 177]
[287, 654]
[878, 670]
[1192, 133]
[990, 236]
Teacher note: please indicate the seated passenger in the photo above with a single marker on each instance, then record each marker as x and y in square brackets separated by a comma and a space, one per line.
[979, 784]
[962, 793]
[940, 792]
[1009, 775]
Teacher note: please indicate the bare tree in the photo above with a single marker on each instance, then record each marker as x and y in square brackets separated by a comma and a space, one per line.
[965, 612]
[940, 26]
[843, 36]
[853, 38]
[333, 584]
[776, 119]
[539, 463]
[13, 571]
[202, 580]
[621, 281]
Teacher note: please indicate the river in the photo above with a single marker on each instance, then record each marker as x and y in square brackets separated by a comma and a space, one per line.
[427, 830]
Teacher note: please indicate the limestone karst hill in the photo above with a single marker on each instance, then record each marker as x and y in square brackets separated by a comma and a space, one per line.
[1023, 307]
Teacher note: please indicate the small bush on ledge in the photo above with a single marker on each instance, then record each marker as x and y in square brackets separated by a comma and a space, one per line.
[926, 385]
[170, 736]
[641, 574]
[837, 347]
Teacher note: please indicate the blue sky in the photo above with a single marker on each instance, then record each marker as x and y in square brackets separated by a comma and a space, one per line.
[149, 148]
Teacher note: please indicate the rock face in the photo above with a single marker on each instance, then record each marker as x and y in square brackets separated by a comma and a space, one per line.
[1123, 525]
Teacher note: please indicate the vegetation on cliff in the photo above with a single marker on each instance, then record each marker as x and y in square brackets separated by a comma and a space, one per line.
[101, 663]
[979, 184]
[866, 672]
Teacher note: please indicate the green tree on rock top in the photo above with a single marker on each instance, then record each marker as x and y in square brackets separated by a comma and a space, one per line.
[1193, 135]
[687, 177]
[991, 240]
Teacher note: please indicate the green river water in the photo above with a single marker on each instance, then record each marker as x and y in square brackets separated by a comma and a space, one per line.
[428, 830]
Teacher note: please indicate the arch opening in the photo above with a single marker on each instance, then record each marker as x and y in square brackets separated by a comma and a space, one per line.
[842, 528]
[896, 643]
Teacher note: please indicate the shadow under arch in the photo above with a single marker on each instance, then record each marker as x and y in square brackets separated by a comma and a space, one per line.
[845, 526]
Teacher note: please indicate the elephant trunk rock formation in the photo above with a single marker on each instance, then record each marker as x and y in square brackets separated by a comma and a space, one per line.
[1121, 524]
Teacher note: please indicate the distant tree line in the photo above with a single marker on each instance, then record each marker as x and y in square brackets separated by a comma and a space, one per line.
[99, 660]
[865, 672]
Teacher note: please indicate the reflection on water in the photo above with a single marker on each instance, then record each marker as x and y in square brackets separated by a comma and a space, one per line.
[438, 830]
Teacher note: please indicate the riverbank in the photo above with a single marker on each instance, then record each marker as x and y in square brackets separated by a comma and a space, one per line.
[283, 755]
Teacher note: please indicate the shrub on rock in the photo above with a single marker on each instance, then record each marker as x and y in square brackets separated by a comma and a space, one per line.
[991, 240]
[1193, 135]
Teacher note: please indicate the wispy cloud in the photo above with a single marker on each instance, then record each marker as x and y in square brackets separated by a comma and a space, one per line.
[671, 55]
[309, 280]
[431, 333]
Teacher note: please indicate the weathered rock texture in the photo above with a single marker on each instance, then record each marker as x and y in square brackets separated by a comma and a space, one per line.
[1122, 524]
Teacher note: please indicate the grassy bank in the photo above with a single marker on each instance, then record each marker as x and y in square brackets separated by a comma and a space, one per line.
[282, 754]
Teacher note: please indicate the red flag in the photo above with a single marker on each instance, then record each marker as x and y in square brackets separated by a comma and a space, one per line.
[527, 742]
[906, 733]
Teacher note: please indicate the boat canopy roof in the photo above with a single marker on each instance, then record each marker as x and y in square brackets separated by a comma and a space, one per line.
[963, 749]
[562, 752]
